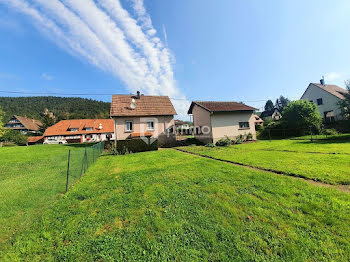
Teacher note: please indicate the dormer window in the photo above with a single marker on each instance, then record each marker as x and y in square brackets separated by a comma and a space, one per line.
[74, 129]
[89, 129]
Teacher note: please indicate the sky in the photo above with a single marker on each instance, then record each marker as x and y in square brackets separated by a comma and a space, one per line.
[223, 50]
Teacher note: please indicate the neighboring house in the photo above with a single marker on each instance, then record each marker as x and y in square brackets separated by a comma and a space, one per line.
[81, 131]
[35, 140]
[326, 97]
[182, 127]
[215, 120]
[273, 114]
[23, 124]
[140, 116]
[258, 121]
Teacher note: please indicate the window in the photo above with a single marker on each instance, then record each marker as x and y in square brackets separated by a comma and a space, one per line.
[319, 101]
[128, 126]
[311, 101]
[150, 125]
[244, 125]
[74, 129]
[89, 129]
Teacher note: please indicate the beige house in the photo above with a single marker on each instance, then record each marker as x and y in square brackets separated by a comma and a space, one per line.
[273, 115]
[326, 97]
[145, 117]
[215, 120]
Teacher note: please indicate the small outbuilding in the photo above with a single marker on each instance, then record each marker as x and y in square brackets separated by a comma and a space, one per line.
[215, 120]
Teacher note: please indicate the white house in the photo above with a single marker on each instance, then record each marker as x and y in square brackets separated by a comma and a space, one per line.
[215, 120]
[326, 97]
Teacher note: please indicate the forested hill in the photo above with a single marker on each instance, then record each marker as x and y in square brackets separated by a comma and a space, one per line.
[62, 107]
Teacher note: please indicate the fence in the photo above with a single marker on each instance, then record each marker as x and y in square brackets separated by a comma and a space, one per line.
[78, 161]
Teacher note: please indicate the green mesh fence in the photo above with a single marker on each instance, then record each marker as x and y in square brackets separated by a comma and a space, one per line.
[79, 160]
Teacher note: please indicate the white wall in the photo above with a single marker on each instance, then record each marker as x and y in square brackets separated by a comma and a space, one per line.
[227, 124]
[329, 101]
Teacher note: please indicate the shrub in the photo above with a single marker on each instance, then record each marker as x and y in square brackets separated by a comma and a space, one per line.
[14, 136]
[134, 145]
[210, 145]
[330, 132]
[193, 141]
[249, 136]
[223, 142]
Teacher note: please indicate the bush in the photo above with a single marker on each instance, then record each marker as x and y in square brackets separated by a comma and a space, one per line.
[210, 145]
[193, 141]
[223, 142]
[330, 132]
[14, 136]
[249, 136]
[134, 145]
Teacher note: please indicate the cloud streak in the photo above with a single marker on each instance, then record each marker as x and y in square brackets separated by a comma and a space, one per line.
[106, 35]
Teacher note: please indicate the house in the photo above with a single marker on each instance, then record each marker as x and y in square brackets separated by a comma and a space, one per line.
[35, 140]
[326, 97]
[81, 131]
[273, 114]
[258, 121]
[182, 127]
[215, 120]
[23, 124]
[140, 116]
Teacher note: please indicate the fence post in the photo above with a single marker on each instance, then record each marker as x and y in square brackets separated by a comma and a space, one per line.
[67, 181]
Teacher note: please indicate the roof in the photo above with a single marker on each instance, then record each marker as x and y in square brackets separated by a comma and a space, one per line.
[268, 113]
[34, 139]
[61, 128]
[145, 106]
[332, 89]
[258, 119]
[214, 106]
[29, 123]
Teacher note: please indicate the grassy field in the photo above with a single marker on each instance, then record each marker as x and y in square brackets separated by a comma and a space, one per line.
[330, 165]
[169, 205]
[32, 178]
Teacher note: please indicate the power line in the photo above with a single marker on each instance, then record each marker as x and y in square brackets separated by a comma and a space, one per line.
[104, 94]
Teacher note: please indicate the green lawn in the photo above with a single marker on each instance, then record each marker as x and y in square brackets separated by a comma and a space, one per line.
[32, 178]
[328, 168]
[169, 205]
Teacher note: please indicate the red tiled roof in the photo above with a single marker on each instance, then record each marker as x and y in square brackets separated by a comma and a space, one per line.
[214, 106]
[34, 139]
[332, 89]
[29, 123]
[62, 127]
[145, 106]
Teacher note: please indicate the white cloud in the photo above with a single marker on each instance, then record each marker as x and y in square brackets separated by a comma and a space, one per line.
[333, 76]
[46, 77]
[106, 35]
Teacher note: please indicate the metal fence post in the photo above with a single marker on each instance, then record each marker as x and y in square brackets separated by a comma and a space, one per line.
[67, 181]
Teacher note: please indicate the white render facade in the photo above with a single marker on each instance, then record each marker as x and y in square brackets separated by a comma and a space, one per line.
[209, 127]
[326, 102]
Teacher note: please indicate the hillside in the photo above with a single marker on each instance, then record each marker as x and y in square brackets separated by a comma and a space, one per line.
[62, 107]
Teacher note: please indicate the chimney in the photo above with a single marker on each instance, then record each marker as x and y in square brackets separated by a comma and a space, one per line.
[138, 94]
[322, 81]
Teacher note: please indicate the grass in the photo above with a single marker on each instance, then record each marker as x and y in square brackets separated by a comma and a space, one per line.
[168, 205]
[324, 166]
[31, 179]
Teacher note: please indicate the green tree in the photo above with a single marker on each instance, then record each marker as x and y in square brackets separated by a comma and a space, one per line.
[269, 105]
[301, 115]
[46, 120]
[281, 103]
[345, 103]
[2, 129]
[14, 136]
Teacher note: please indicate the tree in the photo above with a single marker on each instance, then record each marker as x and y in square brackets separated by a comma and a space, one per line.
[269, 105]
[14, 136]
[47, 120]
[281, 103]
[345, 103]
[301, 115]
[2, 129]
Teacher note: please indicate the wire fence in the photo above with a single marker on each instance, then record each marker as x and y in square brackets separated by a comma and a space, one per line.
[78, 161]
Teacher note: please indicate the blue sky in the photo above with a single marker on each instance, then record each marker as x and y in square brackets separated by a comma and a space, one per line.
[246, 51]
